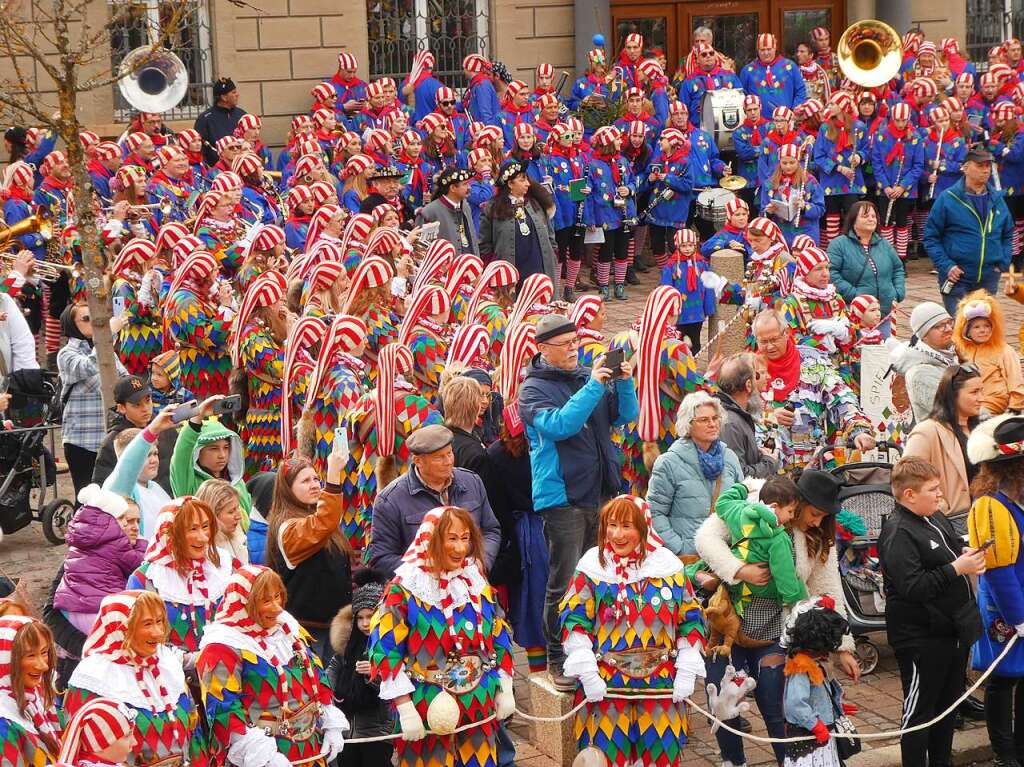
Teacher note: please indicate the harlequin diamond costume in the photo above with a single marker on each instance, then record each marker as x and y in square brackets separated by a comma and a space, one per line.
[29, 731]
[167, 729]
[439, 636]
[491, 301]
[138, 291]
[583, 314]
[633, 623]
[424, 332]
[264, 689]
[190, 598]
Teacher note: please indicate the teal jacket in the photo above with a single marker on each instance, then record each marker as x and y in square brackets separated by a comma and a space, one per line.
[186, 473]
[853, 276]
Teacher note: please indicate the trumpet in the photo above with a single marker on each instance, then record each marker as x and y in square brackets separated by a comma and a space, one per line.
[47, 271]
[165, 206]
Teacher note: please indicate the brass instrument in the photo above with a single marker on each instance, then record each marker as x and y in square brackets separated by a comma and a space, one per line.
[165, 206]
[152, 80]
[870, 53]
[47, 271]
[39, 222]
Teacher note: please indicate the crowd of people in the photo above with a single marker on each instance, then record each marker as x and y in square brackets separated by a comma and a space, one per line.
[370, 434]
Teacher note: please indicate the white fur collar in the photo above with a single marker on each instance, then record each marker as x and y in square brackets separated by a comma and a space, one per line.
[279, 644]
[173, 588]
[425, 587]
[660, 563]
[100, 675]
[9, 711]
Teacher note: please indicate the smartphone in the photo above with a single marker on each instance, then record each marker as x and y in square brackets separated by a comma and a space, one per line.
[230, 404]
[613, 361]
[340, 444]
[987, 544]
[118, 305]
[184, 411]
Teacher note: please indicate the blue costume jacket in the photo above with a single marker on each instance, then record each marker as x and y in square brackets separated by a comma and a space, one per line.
[882, 144]
[784, 88]
[605, 178]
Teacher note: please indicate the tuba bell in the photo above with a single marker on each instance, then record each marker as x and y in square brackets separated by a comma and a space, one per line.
[152, 80]
[870, 53]
[39, 221]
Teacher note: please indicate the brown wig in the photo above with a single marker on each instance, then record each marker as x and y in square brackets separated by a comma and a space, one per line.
[189, 511]
[147, 604]
[286, 506]
[996, 476]
[435, 547]
[265, 585]
[31, 636]
[620, 510]
[501, 205]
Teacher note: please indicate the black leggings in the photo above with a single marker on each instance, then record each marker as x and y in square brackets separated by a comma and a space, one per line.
[901, 210]
[80, 463]
[614, 247]
[1004, 716]
[569, 242]
[662, 239]
[841, 203]
[691, 330]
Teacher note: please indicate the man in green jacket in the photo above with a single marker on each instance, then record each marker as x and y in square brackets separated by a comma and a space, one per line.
[206, 449]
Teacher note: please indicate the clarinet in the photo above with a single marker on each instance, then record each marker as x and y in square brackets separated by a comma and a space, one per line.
[892, 200]
[803, 182]
[938, 154]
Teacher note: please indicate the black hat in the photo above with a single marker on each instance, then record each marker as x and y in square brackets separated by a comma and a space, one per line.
[997, 439]
[510, 169]
[130, 389]
[447, 177]
[386, 171]
[820, 490]
[978, 153]
[16, 135]
[223, 87]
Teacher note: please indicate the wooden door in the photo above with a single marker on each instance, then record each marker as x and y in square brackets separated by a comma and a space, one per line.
[735, 24]
[656, 22]
[796, 18]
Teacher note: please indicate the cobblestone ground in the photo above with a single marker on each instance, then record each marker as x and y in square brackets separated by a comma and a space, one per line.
[28, 556]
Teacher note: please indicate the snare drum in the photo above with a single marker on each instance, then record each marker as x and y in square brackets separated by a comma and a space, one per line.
[721, 112]
[711, 205]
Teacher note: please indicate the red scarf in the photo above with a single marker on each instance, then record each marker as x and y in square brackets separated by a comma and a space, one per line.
[543, 91]
[709, 81]
[418, 181]
[785, 183]
[842, 140]
[690, 263]
[346, 83]
[785, 370]
[570, 154]
[781, 139]
[681, 152]
[17, 193]
[97, 169]
[55, 183]
[948, 136]
[518, 112]
[613, 164]
[298, 219]
[478, 78]
[755, 134]
[897, 147]
[133, 159]
[632, 152]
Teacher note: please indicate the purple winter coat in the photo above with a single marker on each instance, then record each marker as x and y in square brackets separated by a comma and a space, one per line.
[99, 560]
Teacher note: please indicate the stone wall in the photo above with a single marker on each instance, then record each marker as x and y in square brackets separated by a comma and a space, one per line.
[525, 33]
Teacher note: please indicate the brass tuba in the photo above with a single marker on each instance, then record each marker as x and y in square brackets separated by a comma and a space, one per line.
[38, 222]
[870, 53]
[152, 80]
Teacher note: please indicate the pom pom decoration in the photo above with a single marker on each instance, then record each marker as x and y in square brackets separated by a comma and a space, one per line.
[443, 714]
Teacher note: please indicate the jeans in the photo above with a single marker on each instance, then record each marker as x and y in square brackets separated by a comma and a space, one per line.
[963, 286]
[768, 694]
[570, 531]
[506, 748]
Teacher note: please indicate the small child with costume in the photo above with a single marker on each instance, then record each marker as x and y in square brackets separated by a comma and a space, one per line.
[685, 271]
[980, 338]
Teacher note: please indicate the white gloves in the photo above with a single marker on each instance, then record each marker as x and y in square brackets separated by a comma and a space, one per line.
[335, 726]
[505, 701]
[410, 721]
[689, 665]
[1020, 629]
[682, 687]
[712, 281]
[594, 687]
[838, 329]
[254, 749]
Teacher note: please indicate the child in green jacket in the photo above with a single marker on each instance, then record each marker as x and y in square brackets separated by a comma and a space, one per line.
[206, 449]
[759, 535]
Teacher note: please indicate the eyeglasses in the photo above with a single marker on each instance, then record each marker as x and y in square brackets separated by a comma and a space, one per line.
[574, 341]
[773, 341]
[707, 420]
[446, 103]
[966, 369]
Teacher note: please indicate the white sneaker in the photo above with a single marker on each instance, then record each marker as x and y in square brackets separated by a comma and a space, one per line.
[730, 764]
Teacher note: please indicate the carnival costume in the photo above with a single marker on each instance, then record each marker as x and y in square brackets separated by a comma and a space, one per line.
[23, 736]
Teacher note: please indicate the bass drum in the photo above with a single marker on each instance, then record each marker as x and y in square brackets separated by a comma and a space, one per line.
[721, 112]
[711, 205]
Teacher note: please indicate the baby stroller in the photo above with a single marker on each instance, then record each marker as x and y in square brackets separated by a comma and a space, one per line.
[28, 471]
[868, 495]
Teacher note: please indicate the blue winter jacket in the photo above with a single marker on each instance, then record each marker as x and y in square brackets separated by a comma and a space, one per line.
[955, 235]
[569, 418]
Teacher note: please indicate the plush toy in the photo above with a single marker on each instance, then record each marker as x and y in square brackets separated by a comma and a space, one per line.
[726, 625]
[729, 704]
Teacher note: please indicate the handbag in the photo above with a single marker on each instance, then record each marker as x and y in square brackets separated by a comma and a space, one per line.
[845, 747]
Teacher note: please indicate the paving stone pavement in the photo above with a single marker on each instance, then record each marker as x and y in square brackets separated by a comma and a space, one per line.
[28, 556]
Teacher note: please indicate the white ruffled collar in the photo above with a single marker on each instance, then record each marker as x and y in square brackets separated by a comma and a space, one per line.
[426, 588]
[9, 711]
[280, 644]
[660, 563]
[101, 675]
[173, 588]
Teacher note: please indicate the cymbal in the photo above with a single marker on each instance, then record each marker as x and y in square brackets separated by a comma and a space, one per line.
[732, 183]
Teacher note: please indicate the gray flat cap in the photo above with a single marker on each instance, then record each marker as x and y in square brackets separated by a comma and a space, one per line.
[429, 439]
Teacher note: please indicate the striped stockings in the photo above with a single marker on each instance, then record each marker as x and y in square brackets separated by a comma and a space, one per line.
[621, 264]
[832, 222]
[51, 324]
[572, 271]
[902, 241]
[604, 269]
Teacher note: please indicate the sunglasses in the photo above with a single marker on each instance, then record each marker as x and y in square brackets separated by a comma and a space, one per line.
[967, 369]
[446, 103]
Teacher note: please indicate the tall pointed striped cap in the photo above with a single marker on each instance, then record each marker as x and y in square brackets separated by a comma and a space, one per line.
[465, 269]
[497, 274]
[584, 310]
[394, 359]
[266, 290]
[135, 254]
[520, 345]
[427, 301]
[305, 333]
[372, 272]
[661, 308]
[437, 260]
[469, 344]
[344, 335]
[197, 266]
[536, 289]
[96, 726]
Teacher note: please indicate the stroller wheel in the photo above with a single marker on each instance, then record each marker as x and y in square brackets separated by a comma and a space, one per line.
[56, 515]
[867, 655]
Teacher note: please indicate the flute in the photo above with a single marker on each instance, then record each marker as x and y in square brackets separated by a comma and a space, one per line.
[803, 182]
[892, 200]
[938, 154]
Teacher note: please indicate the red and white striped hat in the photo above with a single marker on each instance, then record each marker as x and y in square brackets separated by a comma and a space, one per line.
[247, 164]
[96, 726]
[321, 116]
[432, 122]
[810, 108]
[266, 290]
[519, 347]
[469, 346]
[635, 38]
[988, 78]
[523, 130]
[965, 78]
[305, 165]
[199, 265]
[134, 256]
[183, 248]
[347, 61]
[476, 64]
[634, 93]
[226, 181]
[924, 87]
[674, 136]
[21, 174]
[545, 70]
[735, 205]
[321, 217]
[686, 236]
[248, 122]
[953, 105]
[267, 238]
[106, 150]
[127, 174]
[861, 304]
[844, 102]
[444, 93]
[489, 134]
[901, 111]
[168, 153]
[306, 333]
[1017, 94]
[384, 241]
[1004, 110]
[410, 137]
[394, 360]
[344, 335]
[536, 289]
[299, 194]
[766, 228]
[134, 140]
[926, 47]
[372, 272]
[426, 302]
[376, 138]
[170, 234]
[188, 136]
[436, 261]
[322, 191]
[547, 100]
[801, 242]
[782, 113]
[356, 231]
[650, 69]
[465, 269]
[808, 258]
[515, 88]
[678, 108]
[477, 155]
[820, 33]
[497, 274]
[227, 142]
[357, 165]
[322, 252]
[322, 91]
[637, 129]
[301, 123]
[584, 310]
[52, 160]
[662, 307]
[751, 100]
[766, 40]
[606, 136]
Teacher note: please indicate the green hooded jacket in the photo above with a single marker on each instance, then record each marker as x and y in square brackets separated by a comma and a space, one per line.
[762, 539]
[186, 473]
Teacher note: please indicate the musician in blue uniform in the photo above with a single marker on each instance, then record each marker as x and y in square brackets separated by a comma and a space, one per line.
[168, 186]
[711, 76]
[790, 183]
[481, 100]
[260, 205]
[897, 157]
[350, 89]
[775, 79]
[106, 159]
[609, 206]
[564, 164]
[671, 191]
[300, 211]
[732, 236]
[423, 90]
[839, 151]
[18, 205]
[748, 140]
[516, 110]
[593, 86]
[705, 164]
[629, 59]
[780, 133]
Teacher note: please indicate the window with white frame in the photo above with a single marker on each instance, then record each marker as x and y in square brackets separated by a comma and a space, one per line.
[185, 27]
[450, 29]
